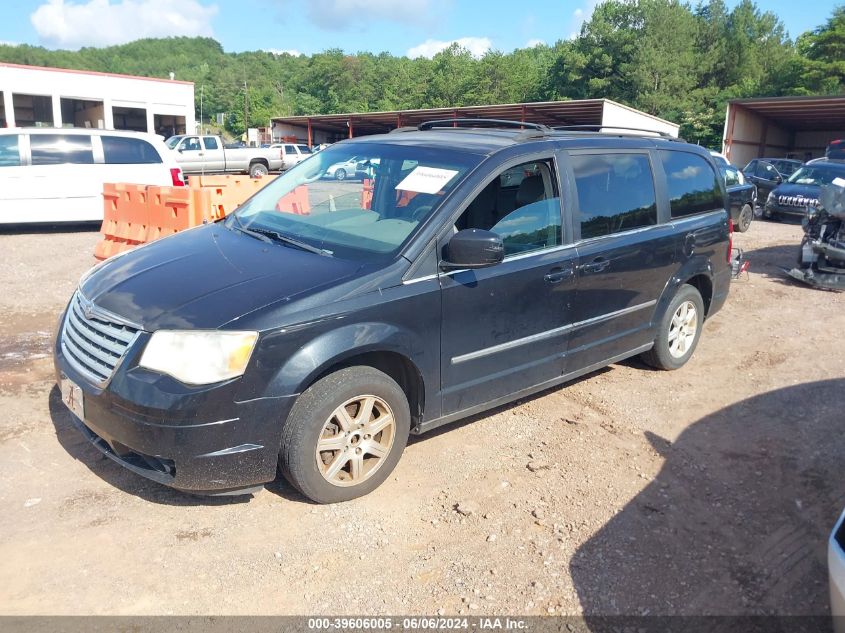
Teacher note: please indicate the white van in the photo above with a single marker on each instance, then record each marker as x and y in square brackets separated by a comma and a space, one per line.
[57, 174]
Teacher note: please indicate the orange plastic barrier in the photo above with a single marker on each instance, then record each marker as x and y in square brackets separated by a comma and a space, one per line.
[367, 193]
[296, 202]
[136, 214]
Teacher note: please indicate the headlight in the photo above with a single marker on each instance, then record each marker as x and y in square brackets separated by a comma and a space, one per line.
[199, 357]
[771, 199]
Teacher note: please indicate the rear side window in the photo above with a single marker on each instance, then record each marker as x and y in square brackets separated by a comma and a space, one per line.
[9, 152]
[60, 149]
[290, 149]
[731, 176]
[615, 193]
[304, 149]
[210, 142]
[120, 150]
[692, 183]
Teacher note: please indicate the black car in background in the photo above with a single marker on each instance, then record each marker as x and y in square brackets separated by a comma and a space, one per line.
[742, 195]
[792, 198]
[477, 266]
[768, 173]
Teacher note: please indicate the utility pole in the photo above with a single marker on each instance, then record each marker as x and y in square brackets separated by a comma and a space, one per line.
[246, 108]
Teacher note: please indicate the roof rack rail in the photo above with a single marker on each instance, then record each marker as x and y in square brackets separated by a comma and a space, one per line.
[446, 123]
[599, 126]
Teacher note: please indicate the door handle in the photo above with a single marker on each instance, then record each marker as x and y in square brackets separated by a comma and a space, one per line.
[596, 266]
[556, 275]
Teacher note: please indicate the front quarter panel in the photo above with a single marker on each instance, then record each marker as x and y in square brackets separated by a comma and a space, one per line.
[403, 320]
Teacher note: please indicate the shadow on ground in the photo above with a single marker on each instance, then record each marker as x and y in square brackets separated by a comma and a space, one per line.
[736, 521]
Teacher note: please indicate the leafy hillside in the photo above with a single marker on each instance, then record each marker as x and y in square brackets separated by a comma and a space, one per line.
[667, 58]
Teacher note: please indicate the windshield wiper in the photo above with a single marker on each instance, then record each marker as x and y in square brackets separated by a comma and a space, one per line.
[240, 227]
[291, 241]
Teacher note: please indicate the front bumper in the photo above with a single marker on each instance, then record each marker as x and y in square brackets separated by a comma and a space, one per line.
[836, 570]
[774, 210]
[201, 440]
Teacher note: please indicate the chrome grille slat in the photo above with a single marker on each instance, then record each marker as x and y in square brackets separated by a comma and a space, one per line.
[94, 346]
[114, 331]
[86, 331]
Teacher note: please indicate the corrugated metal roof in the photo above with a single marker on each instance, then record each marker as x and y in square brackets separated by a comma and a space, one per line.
[799, 113]
[581, 112]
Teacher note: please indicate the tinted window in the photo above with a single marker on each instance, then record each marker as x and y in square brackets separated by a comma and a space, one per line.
[290, 149]
[120, 150]
[765, 170]
[303, 149]
[210, 142]
[58, 149]
[692, 183]
[521, 205]
[191, 144]
[9, 156]
[615, 193]
[786, 168]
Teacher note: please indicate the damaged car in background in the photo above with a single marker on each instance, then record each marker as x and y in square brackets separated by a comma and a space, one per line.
[821, 262]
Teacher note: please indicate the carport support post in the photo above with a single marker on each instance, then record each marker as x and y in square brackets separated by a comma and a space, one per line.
[9, 107]
[349, 125]
[57, 111]
[310, 143]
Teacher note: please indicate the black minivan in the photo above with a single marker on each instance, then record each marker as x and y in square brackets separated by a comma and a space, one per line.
[315, 328]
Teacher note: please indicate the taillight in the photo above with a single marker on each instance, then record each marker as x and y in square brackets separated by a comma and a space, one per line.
[730, 238]
[177, 177]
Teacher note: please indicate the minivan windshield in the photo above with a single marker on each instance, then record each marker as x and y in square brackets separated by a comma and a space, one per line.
[817, 175]
[359, 200]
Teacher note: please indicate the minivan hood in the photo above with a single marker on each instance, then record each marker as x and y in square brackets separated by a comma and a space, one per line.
[207, 277]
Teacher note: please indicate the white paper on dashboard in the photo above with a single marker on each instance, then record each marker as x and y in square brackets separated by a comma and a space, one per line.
[839, 182]
[427, 179]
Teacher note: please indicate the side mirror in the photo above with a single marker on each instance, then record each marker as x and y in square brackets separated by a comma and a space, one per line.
[473, 248]
[180, 150]
[778, 178]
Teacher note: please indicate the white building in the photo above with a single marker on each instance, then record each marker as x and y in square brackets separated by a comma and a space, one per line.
[58, 97]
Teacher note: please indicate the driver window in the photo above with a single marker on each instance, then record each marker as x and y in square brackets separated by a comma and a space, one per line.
[521, 205]
[191, 144]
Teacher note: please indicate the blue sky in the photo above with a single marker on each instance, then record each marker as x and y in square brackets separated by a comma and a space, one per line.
[401, 27]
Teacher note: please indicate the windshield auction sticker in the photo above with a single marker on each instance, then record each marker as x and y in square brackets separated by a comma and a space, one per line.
[427, 180]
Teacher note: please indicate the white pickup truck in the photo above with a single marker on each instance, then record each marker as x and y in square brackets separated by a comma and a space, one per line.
[197, 154]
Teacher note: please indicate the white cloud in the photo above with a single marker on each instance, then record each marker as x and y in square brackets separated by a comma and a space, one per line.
[533, 43]
[104, 23]
[477, 46]
[580, 15]
[286, 51]
[341, 14]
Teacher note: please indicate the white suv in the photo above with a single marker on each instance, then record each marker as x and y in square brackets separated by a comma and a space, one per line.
[57, 174]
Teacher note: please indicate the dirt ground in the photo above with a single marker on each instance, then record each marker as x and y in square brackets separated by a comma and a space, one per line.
[710, 490]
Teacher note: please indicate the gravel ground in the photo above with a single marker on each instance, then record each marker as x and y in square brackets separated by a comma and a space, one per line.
[710, 490]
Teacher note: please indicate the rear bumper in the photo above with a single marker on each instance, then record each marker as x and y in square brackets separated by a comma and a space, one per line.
[721, 287]
[201, 441]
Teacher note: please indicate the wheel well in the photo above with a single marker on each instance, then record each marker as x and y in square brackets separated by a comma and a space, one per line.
[704, 286]
[398, 367]
[263, 161]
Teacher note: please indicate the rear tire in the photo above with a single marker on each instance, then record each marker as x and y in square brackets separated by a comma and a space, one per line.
[352, 424]
[679, 331]
[745, 218]
[258, 170]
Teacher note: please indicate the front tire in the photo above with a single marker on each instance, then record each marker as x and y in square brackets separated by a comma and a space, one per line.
[345, 435]
[340, 174]
[679, 331]
[745, 218]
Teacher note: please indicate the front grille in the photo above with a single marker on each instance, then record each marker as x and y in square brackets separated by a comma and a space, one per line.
[94, 345]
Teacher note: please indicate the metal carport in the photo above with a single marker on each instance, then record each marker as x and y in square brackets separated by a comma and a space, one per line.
[773, 127]
[333, 127]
